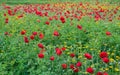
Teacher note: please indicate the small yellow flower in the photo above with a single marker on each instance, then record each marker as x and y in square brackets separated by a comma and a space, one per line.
[86, 47]
[34, 48]
[99, 51]
[105, 44]
[106, 69]
[65, 42]
[110, 66]
[92, 65]
[101, 69]
[91, 49]
[117, 57]
[73, 60]
[85, 72]
[65, 45]
[116, 69]
[79, 56]
[112, 54]
[96, 22]
[108, 53]
[68, 53]
[112, 60]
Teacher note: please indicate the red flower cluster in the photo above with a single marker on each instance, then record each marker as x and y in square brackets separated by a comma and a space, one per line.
[6, 20]
[104, 57]
[26, 40]
[58, 51]
[62, 19]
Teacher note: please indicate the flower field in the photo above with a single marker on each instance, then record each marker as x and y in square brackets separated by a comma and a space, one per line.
[60, 38]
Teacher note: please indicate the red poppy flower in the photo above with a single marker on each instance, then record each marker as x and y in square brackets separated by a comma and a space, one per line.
[58, 52]
[57, 49]
[6, 33]
[56, 33]
[32, 37]
[20, 16]
[79, 27]
[63, 48]
[50, 18]
[72, 55]
[4, 14]
[90, 70]
[40, 55]
[105, 60]
[105, 73]
[52, 58]
[23, 32]
[103, 54]
[34, 33]
[76, 70]
[78, 64]
[99, 73]
[40, 45]
[108, 33]
[9, 12]
[88, 56]
[71, 66]
[26, 40]
[47, 23]
[41, 36]
[62, 18]
[64, 66]
[6, 20]
[63, 21]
